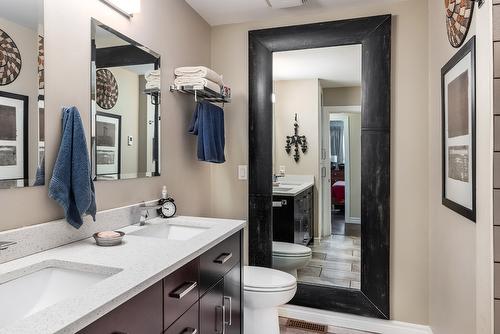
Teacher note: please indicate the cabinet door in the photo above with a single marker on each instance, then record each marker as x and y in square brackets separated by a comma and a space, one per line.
[212, 315]
[232, 300]
[142, 314]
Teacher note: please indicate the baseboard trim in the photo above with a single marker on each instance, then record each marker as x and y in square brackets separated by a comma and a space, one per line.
[335, 319]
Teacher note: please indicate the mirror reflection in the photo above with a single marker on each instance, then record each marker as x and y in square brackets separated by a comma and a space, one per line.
[126, 107]
[22, 94]
[317, 165]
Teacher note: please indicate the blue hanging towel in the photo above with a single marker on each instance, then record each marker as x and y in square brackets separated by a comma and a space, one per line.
[71, 184]
[208, 125]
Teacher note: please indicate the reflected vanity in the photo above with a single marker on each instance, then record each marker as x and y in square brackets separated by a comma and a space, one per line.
[22, 94]
[125, 107]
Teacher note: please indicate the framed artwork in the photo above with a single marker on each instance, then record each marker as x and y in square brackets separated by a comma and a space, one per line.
[458, 84]
[13, 132]
[108, 144]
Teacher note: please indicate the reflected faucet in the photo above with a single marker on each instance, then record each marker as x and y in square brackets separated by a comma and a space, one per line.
[276, 176]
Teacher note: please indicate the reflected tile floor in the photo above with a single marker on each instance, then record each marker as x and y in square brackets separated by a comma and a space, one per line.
[331, 330]
[336, 261]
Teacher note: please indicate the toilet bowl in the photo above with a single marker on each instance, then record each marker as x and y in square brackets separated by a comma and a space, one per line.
[289, 257]
[265, 290]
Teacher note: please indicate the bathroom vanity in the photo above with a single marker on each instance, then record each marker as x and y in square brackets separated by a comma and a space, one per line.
[204, 296]
[181, 275]
[293, 212]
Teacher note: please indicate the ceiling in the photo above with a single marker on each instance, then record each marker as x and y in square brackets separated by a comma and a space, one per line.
[217, 12]
[28, 13]
[338, 66]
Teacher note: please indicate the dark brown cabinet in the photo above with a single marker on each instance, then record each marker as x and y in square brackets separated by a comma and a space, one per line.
[140, 315]
[293, 220]
[204, 296]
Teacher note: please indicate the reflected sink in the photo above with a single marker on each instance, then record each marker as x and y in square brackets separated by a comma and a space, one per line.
[31, 293]
[281, 189]
[171, 231]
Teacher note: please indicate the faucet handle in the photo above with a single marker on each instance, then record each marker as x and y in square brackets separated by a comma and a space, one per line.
[6, 244]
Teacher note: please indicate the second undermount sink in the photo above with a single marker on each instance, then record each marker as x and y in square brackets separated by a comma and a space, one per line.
[171, 231]
[31, 293]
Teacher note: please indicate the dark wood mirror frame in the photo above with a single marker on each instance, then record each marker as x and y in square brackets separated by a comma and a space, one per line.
[374, 34]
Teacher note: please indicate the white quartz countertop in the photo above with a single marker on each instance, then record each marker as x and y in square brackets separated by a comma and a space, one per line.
[292, 185]
[138, 263]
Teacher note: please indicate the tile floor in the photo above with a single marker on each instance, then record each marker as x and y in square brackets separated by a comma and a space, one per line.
[336, 262]
[331, 330]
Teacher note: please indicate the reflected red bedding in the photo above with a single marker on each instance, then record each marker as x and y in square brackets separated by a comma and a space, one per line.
[338, 193]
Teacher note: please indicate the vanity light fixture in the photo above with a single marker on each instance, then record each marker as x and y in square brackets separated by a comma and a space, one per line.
[125, 7]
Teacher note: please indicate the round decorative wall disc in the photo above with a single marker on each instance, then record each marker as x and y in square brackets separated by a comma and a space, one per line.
[106, 89]
[10, 59]
[458, 20]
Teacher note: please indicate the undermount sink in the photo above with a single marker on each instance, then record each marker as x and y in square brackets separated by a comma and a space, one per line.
[34, 292]
[289, 183]
[171, 231]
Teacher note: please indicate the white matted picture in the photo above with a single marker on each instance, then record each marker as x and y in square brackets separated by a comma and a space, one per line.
[458, 80]
[108, 143]
[13, 129]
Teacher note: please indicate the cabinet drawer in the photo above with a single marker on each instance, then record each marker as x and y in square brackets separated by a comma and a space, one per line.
[187, 324]
[216, 262]
[142, 314]
[180, 291]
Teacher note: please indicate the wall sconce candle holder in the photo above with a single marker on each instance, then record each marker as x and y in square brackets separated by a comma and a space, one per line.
[298, 142]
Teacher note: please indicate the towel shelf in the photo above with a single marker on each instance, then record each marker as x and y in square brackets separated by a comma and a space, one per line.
[201, 92]
[155, 95]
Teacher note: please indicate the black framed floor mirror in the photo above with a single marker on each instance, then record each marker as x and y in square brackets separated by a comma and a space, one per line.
[354, 276]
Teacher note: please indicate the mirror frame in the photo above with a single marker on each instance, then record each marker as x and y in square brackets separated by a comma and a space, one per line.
[374, 34]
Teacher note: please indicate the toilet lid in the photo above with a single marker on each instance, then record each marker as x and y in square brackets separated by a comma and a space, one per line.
[286, 249]
[267, 280]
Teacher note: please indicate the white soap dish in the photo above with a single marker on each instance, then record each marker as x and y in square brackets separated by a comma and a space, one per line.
[109, 238]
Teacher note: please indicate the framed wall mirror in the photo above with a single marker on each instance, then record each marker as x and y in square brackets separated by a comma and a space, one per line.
[126, 102]
[320, 126]
[22, 94]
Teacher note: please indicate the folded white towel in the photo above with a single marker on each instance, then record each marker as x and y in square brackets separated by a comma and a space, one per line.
[152, 75]
[200, 82]
[199, 72]
[152, 85]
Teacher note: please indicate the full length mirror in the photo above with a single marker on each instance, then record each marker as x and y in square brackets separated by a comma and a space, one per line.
[22, 86]
[317, 165]
[125, 107]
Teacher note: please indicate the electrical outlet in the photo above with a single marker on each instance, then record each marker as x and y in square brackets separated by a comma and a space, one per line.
[282, 170]
[242, 172]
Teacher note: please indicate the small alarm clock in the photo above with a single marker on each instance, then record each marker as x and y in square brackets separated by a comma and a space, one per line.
[168, 208]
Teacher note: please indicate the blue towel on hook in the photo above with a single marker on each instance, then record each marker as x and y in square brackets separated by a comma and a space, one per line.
[71, 184]
[208, 125]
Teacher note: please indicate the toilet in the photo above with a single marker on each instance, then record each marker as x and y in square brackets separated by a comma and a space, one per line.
[289, 257]
[264, 291]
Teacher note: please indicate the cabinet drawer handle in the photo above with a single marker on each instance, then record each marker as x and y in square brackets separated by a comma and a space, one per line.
[190, 331]
[222, 310]
[230, 300]
[183, 290]
[223, 258]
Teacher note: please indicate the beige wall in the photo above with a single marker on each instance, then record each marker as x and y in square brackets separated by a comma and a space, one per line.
[67, 28]
[409, 193]
[298, 97]
[460, 251]
[342, 96]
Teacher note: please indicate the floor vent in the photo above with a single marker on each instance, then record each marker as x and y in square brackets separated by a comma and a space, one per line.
[307, 326]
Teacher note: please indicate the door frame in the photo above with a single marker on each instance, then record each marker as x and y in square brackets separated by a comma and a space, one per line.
[374, 34]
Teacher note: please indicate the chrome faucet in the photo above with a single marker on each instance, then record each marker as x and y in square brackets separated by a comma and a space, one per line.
[276, 176]
[144, 212]
[6, 244]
